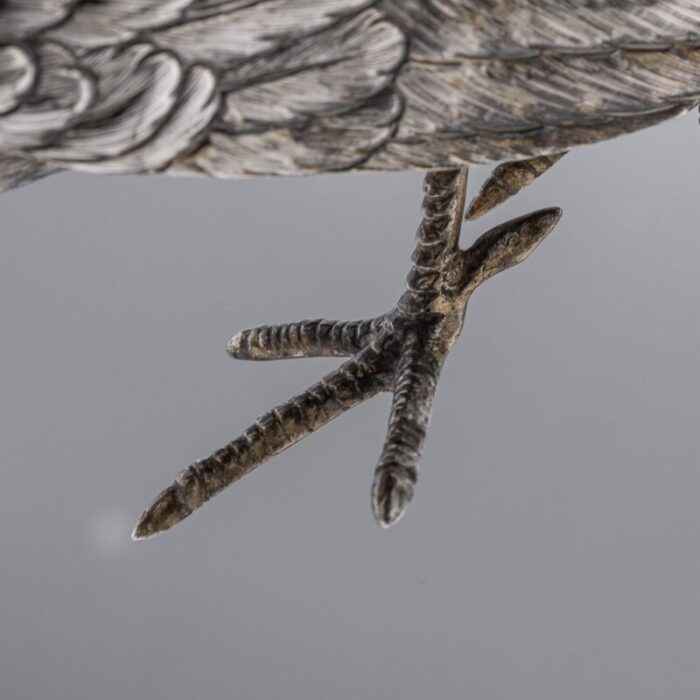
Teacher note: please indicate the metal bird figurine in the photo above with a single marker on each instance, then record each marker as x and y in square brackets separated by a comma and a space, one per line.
[240, 88]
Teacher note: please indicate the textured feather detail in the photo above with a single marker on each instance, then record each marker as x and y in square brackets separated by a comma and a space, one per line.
[516, 29]
[22, 18]
[138, 88]
[94, 24]
[17, 74]
[485, 96]
[60, 95]
[328, 73]
[443, 150]
[329, 143]
[485, 110]
[189, 113]
[233, 88]
[242, 30]
[323, 104]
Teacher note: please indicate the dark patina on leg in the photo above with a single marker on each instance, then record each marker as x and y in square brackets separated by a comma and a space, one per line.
[402, 351]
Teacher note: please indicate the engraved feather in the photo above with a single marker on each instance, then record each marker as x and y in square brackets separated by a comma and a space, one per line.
[233, 88]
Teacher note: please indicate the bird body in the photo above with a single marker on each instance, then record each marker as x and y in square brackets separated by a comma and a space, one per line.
[237, 88]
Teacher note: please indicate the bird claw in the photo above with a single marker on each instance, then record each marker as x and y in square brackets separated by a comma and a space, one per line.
[402, 351]
[507, 180]
[392, 491]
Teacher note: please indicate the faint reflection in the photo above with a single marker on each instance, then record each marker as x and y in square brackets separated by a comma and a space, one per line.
[110, 531]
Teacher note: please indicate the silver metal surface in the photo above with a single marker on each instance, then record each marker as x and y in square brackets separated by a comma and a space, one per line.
[281, 87]
[241, 88]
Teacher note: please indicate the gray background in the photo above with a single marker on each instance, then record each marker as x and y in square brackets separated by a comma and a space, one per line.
[553, 547]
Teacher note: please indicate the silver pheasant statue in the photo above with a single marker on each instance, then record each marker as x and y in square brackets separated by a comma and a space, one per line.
[242, 88]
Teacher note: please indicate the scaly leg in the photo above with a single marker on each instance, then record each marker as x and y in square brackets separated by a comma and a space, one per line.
[415, 383]
[310, 338]
[355, 381]
[402, 351]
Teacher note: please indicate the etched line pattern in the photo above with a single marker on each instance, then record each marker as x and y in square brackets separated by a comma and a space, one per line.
[438, 233]
[308, 338]
[414, 388]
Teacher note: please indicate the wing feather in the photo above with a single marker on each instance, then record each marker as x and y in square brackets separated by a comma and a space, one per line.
[444, 29]
[60, 93]
[253, 87]
[324, 103]
[250, 87]
[22, 18]
[250, 29]
[17, 74]
[492, 80]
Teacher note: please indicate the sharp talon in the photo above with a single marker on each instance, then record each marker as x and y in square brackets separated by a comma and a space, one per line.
[402, 351]
[391, 494]
[506, 181]
[167, 510]
[506, 245]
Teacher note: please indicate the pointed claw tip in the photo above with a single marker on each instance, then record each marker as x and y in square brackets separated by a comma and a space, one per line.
[167, 510]
[476, 209]
[145, 528]
[539, 224]
[553, 213]
[550, 218]
[139, 533]
[391, 494]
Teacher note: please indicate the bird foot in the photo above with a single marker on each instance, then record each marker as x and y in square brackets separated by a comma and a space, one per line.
[401, 351]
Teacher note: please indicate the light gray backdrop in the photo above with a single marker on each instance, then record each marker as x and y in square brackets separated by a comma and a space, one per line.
[553, 547]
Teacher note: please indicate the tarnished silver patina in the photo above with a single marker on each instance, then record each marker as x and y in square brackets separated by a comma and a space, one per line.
[401, 351]
[240, 88]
